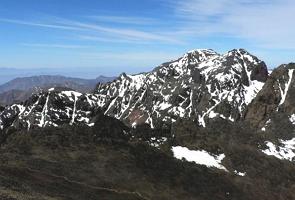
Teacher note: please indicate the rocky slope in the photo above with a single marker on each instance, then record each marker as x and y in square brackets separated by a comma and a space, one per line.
[109, 161]
[276, 100]
[200, 85]
[55, 107]
[15, 96]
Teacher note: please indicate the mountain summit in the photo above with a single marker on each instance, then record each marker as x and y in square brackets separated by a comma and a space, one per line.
[200, 85]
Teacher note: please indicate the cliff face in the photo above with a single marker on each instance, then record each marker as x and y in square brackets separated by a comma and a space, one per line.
[277, 97]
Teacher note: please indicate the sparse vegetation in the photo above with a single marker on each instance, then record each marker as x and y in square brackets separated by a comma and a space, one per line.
[80, 162]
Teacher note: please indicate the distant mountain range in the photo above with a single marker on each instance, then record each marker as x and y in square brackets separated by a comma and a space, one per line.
[20, 89]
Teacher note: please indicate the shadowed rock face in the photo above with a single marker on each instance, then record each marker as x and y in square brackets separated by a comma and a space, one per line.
[200, 85]
[260, 73]
[277, 97]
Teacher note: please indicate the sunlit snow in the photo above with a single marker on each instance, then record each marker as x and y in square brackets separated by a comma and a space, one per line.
[285, 91]
[199, 157]
[285, 151]
[240, 173]
[292, 119]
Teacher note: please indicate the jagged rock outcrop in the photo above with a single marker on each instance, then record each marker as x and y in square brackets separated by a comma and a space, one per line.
[55, 107]
[200, 85]
[277, 97]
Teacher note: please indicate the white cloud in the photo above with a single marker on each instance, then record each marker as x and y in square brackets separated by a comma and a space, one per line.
[131, 34]
[201, 9]
[128, 34]
[264, 23]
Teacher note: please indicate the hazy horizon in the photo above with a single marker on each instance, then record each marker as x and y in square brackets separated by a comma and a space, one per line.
[9, 73]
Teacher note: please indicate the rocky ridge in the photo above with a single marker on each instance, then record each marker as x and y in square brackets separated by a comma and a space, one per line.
[201, 85]
[55, 107]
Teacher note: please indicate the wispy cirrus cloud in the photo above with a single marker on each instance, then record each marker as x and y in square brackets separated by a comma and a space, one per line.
[263, 23]
[61, 46]
[125, 33]
[116, 33]
[106, 39]
[123, 19]
[41, 24]
[265, 26]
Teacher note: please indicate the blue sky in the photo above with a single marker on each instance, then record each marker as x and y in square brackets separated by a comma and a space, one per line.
[93, 37]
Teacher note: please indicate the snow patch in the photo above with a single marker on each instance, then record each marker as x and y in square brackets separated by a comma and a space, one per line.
[44, 112]
[266, 124]
[91, 124]
[284, 152]
[252, 90]
[199, 157]
[164, 105]
[292, 119]
[285, 92]
[156, 142]
[240, 173]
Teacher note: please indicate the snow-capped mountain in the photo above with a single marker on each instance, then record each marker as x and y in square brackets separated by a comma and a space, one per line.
[200, 85]
[52, 108]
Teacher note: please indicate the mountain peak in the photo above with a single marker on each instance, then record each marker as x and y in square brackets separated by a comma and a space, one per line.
[199, 55]
[200, 51]
[201, 85]
[242, 53]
